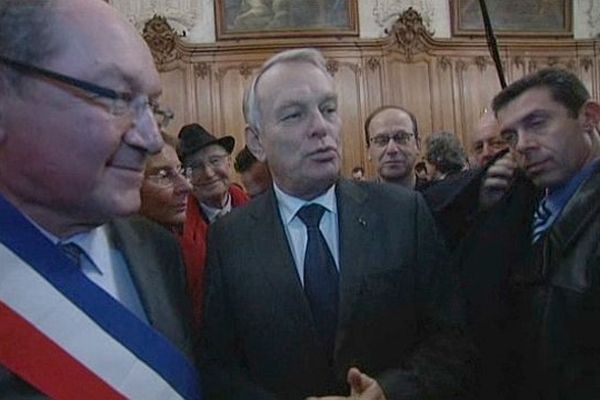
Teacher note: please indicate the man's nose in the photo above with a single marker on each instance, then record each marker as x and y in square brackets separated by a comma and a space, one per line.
[318, 125]
[182, 183]
[145, 134]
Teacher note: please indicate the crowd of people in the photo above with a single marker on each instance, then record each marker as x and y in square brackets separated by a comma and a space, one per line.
[133, 266]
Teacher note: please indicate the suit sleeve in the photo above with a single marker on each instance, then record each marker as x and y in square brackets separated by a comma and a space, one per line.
[439, 365]
[223, 371]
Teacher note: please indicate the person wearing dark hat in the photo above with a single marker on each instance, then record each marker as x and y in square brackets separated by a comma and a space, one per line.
[208, 162]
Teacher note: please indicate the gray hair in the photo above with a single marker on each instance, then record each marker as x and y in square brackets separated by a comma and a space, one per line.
[251, 108]
[445, 152]
[26, 34]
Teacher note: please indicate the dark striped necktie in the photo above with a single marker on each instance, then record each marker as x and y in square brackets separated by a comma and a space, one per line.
[72, 251]
[541, 220]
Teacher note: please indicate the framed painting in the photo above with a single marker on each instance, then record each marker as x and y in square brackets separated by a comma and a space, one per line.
[237, 19]
[513, 17]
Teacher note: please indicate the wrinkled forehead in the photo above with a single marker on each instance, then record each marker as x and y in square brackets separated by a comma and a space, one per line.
[293, 80]
[486, 131]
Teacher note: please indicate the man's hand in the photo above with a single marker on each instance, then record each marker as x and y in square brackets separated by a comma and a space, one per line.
[362, 387]
[497, 181]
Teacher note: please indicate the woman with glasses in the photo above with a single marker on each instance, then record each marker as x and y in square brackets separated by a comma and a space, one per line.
[165, 188]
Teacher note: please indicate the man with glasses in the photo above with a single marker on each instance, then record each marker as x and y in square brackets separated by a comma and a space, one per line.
[207, 161]
[165, 188]
[393, 144]
[91, 305]
[535, 301]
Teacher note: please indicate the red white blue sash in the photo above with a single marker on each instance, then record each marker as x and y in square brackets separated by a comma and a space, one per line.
[70, 339]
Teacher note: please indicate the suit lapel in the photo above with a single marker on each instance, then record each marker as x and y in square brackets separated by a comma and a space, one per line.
[144, 273]
[277, 263]
[355, 222]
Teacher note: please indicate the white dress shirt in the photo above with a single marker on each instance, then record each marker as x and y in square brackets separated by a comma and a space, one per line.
[105, 266]
[295, 229]
[213, 213]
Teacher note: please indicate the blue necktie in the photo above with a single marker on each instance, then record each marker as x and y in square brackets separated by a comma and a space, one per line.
[320, 277]
[541, 219]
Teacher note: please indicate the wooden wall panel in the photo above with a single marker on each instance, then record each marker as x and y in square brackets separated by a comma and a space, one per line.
[347, 76]
[204, 97]
[175, 97]
[447, 83]
[477, 84]
[228, 116]
[442, 93]
[409, 85]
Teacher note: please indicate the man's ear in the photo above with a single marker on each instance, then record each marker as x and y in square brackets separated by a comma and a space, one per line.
[591, 116]
[254, 143]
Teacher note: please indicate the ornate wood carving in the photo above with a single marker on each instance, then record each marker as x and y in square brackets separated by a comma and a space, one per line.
[461, 66]
[409, 32]
[445, 63]
[245, 70]
[202, 69]
[481, 62]
[553, 61]
[519, 62]
[532, 66]
[373, 63]
[586, 63]
[161, 39]
[333, 66]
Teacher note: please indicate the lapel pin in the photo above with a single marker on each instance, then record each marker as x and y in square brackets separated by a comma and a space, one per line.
[362, 221]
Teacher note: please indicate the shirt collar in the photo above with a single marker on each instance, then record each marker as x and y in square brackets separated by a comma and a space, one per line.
[559, 197]
[94, 243]
[289, 205]
[213, 213]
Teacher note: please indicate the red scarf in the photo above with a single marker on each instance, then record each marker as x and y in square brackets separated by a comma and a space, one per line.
[193, 245]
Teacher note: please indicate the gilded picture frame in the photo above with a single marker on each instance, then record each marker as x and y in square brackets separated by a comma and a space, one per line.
[238, 19]
[513, 17]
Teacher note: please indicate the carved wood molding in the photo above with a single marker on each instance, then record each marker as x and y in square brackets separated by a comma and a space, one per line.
[202, 70]
[410, 32]
[445, 63]
[373, 63]
[333, 66]
[162, 40]
[586, 63]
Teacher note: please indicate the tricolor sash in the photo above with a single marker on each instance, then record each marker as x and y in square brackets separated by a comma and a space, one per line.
[68, 337]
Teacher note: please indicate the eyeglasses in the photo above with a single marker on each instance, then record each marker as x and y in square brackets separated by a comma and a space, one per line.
[401, 138]
[214, 161]
[167, 176]
[121, 103]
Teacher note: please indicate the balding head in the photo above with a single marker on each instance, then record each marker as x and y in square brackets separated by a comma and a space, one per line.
[485, 141]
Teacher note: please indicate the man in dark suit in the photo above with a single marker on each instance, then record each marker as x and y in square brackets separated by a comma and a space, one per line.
[349, 302]
[91, 305]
